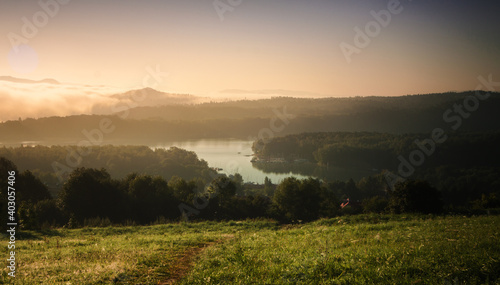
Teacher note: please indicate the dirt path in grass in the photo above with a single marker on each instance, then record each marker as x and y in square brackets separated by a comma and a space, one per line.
[184, 264]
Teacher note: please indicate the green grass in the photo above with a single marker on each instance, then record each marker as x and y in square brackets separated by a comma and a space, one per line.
[359, 250]
[126, 255]
[367, 249]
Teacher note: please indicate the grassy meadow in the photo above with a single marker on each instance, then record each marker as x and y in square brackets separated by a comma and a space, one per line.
[364, 249]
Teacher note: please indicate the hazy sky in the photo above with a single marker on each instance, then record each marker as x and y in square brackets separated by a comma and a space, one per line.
[428, 46]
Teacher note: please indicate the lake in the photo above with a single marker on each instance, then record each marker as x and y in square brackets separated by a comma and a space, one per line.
[232, 156]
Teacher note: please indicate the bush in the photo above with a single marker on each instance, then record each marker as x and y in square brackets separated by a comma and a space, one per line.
[97, 222]
[375, 204]
[415, 197]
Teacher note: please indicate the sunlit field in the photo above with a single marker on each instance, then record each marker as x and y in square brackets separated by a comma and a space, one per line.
[365, 249]
[359, 250]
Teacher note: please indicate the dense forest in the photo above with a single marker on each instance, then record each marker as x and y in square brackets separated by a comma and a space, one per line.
[246, 119]
[463, 167]
[92, 197]
[54, 164]
[381, 150]
[170, 185]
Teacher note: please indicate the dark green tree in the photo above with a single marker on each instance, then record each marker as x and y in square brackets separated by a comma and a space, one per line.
[30, 189]
[91, 193]
[48, 213]
[415, 196]
[222, 189]
[487, 202]
[221, 192]
[182, 190]
[375, 204]
[372, 186]
[238, 182]
[269, 187]
[151, 198]
[299, 200]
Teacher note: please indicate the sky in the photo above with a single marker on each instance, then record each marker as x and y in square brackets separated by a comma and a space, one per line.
[249, 47]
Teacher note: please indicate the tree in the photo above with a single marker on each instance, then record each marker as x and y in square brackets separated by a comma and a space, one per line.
[221, 192]
[30, 189]
[375, 204]
[329, 205]
[182, 190]
[415, 196]
[352, 190]
[299, 200]
[269, 187]
[151, 198]
[91, 193]
[248, 207]
[372, 186]
[487, 202]
[47, 212]
[238, 182]
[222, 189]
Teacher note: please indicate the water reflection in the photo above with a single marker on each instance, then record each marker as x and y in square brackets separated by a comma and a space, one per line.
[230, 157]
[234, 156]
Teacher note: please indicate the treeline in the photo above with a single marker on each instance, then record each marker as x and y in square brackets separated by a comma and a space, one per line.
[263, 108]
[244, 119]
[463, 168]
[54, 164]
[91, 197]
[381, 150]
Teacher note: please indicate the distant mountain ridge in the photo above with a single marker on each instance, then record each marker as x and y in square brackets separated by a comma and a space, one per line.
[158, 97]
[263, 108]
[66, 99]
[23, 80]
[144, 98]
[275, 92]
[269, 117]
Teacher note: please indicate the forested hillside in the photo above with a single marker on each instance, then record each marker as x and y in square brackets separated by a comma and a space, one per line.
[463, 167]
[246, 119]
[381, 150]
[54, 164]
